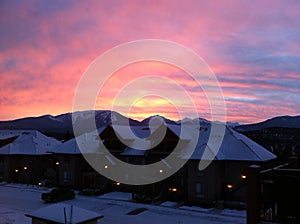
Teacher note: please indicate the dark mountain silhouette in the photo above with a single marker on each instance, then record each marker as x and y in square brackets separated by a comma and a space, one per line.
[280, 135]
[60, 126]
[156, 118]
[276, 122]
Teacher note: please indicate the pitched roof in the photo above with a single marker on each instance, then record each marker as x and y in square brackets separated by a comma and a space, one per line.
[139, 143]
[88, 142]
[55, 213]
[139, 147]
[235, 146]
[25, 142]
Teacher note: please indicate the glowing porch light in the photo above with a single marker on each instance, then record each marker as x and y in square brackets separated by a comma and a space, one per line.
[243, 176]
[105, 167]
[25, 167]
[160, 171]
[118, 183]
[229, 186]
[173, 189]
[57, 163]
[16, 170]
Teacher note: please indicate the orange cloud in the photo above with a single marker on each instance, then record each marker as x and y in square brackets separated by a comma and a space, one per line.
[45, 48]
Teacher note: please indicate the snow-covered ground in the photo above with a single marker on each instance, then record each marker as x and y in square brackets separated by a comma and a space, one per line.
[17, 200]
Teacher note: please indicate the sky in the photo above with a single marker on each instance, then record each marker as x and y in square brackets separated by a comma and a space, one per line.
[252, 47]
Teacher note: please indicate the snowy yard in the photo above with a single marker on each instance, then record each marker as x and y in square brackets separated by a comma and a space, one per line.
[17, 200]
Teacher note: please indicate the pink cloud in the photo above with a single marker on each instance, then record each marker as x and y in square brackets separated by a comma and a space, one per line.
[45, 48]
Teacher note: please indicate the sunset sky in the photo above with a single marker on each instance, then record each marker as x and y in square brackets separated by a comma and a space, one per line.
[253, 48]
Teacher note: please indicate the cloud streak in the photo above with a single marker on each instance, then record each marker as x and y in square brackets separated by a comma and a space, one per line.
[252, 47]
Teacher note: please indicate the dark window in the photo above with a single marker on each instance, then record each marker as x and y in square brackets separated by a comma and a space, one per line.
[200, 190]
[67, 176]
[200, 173]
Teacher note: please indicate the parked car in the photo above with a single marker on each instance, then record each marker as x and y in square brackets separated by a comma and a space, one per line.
[58, 194]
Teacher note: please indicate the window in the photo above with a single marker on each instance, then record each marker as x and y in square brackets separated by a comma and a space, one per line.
[67, 176]
[200, 190]
[200, 173]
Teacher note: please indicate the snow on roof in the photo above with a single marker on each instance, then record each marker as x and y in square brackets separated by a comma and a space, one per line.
[85, 143]
[55, 213]
[27, 142]
[140, 147]
[139, 143]
[235, 146]
[181, 131]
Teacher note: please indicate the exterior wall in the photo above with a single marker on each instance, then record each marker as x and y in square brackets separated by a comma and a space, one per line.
[4, 167]
[204, 187]
[220, 181]
[75, 172]
[69, 170]
[91, 222]
[233, 174]
[23, 168]
[112, 142]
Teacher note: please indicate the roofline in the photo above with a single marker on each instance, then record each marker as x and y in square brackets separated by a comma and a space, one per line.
[237, 160]
[43, 219]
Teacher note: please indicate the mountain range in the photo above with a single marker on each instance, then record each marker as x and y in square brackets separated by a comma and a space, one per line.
[276, 122]
[280, 135]
[63, 123]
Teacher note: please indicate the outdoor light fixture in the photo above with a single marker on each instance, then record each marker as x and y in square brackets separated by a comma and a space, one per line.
[16, 170]
[118, 183]
[160, 171]
[229, 186]
[40, 184]
[57, 163]
[173, 189]
[105, 167]
[25, 167]
[243, 176]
